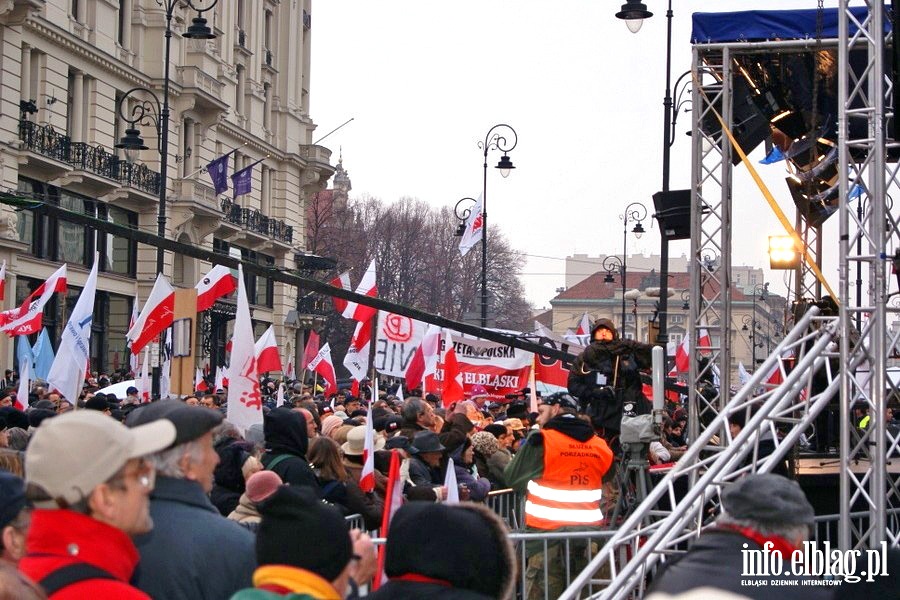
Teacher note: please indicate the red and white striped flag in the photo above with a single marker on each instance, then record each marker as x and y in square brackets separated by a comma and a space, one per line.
[157, 314]
[311, 349]
[424, 361]
[24, 384]
[357, 358]
[322, 365]
[584, 326]
[27, 319]
[199, 382]
[215, 284]
[453, 381]
[367, 287]
[367, 475]
[3, 281]
[393, 500]
[267, 358]
[341, 281]
[682, 355]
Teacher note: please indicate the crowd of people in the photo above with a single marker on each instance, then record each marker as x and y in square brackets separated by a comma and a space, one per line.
[113, 497]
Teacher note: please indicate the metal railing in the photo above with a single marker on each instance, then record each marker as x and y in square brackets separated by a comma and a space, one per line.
[45, 140]
[253, 220]
[509, 505]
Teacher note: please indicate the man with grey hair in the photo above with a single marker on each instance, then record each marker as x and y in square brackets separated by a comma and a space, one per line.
[758, 511]
[193, 552]
[418, 415]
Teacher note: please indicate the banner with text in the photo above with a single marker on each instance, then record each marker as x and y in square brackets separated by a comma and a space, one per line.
[396, 341]
[501, 369]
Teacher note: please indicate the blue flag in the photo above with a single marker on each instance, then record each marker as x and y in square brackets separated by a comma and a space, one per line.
[242, 181]
[23, 351]
[218, 172]
[773, 157]
[43, 355]
[855, 192]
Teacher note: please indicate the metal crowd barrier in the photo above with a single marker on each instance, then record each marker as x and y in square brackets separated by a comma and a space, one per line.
[509, 505]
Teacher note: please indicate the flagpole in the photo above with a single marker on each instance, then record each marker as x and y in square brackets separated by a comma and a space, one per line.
[204, 168]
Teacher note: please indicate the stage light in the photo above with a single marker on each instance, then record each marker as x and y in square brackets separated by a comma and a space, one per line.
[782, 253]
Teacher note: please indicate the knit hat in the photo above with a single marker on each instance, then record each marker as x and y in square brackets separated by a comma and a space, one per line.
[485, 443]
[262, 484]
[478, 391]
[12, 497]
[330, 423]
[467, 545]
[300, 531]
[769, 499]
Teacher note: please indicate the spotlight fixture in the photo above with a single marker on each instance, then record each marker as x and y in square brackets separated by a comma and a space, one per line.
[783, 254]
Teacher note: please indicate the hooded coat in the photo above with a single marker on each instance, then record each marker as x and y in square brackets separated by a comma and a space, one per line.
[285, 431]
[605, 378]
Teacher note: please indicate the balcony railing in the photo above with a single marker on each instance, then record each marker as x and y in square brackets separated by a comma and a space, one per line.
[45, 140]
[253, 220]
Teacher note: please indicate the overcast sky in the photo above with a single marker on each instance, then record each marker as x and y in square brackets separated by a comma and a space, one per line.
[425, 81]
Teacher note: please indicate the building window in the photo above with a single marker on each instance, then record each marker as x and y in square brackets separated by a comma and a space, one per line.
[56, 239]
[267, 31]
[676, 319]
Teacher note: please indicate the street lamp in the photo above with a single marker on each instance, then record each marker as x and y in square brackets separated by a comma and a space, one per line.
[462, 213]
[500, 137]
[633, 12]
[634, 212]
[611, 264]
[148, 112]
[761, 291]
[751, 321]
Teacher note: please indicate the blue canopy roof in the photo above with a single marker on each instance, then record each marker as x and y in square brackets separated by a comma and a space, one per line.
[756, 25]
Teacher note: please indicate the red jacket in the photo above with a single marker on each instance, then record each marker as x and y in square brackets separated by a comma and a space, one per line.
[58, 538]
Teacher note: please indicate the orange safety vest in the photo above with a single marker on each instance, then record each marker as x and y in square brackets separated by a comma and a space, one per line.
[569, 491]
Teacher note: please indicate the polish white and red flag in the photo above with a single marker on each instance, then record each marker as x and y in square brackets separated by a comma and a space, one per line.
[323, 365]
[27, 319]
[145, 377]
[244, 405]
[453, 380]
[424, 361]
[157, 314]
[367, 475]
[584, 326]
[221, 378]
[682, 355]
[341, 281]
[474, 230]
[311, 349]
[367, 287]
[357, 358]
[215, 284]
[134, 360]
[199, 382]
[3, 281]
[393, 500]
[267, 358]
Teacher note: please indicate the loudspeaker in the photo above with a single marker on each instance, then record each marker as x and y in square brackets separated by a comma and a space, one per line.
[673, 212]
[749, 127]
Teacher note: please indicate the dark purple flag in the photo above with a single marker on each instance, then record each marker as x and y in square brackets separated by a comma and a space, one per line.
[218, 172]
[242, 181]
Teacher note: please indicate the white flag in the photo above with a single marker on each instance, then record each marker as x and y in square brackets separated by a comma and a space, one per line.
[221, 375]
[357, 358]
[279, 397]
[145, 377]
[24, 384]
[244, 397]
[400, 392]
[450, 484]
[165, 373]
[134, 359]
[67, 372]
[474, 227]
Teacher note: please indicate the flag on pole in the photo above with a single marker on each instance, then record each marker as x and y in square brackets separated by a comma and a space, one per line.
[704, 342]
[367, 287]
[279, 396]
[322, 365]
[425, 359]
[393, 500]
[145, 377]
[134, 358]
[67, 372]
[218, 172]
[474, 227]
[743, 375]
[157, 315]
[24, 384]
[242, 181]
[220, 378]
[584, 326]
[215, 284]
[165, 370]
[367, 475]
[26, 319]
[200, 382]
[244, 397]
[400, 392]
[450, 484]
[357, 358]
[453, 382]
[266, 349]
[43, 355]
[341, 281]
[23, 350]
[312, 347]
[3, 281]
[682, 354]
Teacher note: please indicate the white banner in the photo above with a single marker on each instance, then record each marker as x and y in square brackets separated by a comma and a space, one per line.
[396, 341]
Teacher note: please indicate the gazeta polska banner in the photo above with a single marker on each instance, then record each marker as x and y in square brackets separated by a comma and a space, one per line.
[501, 369]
